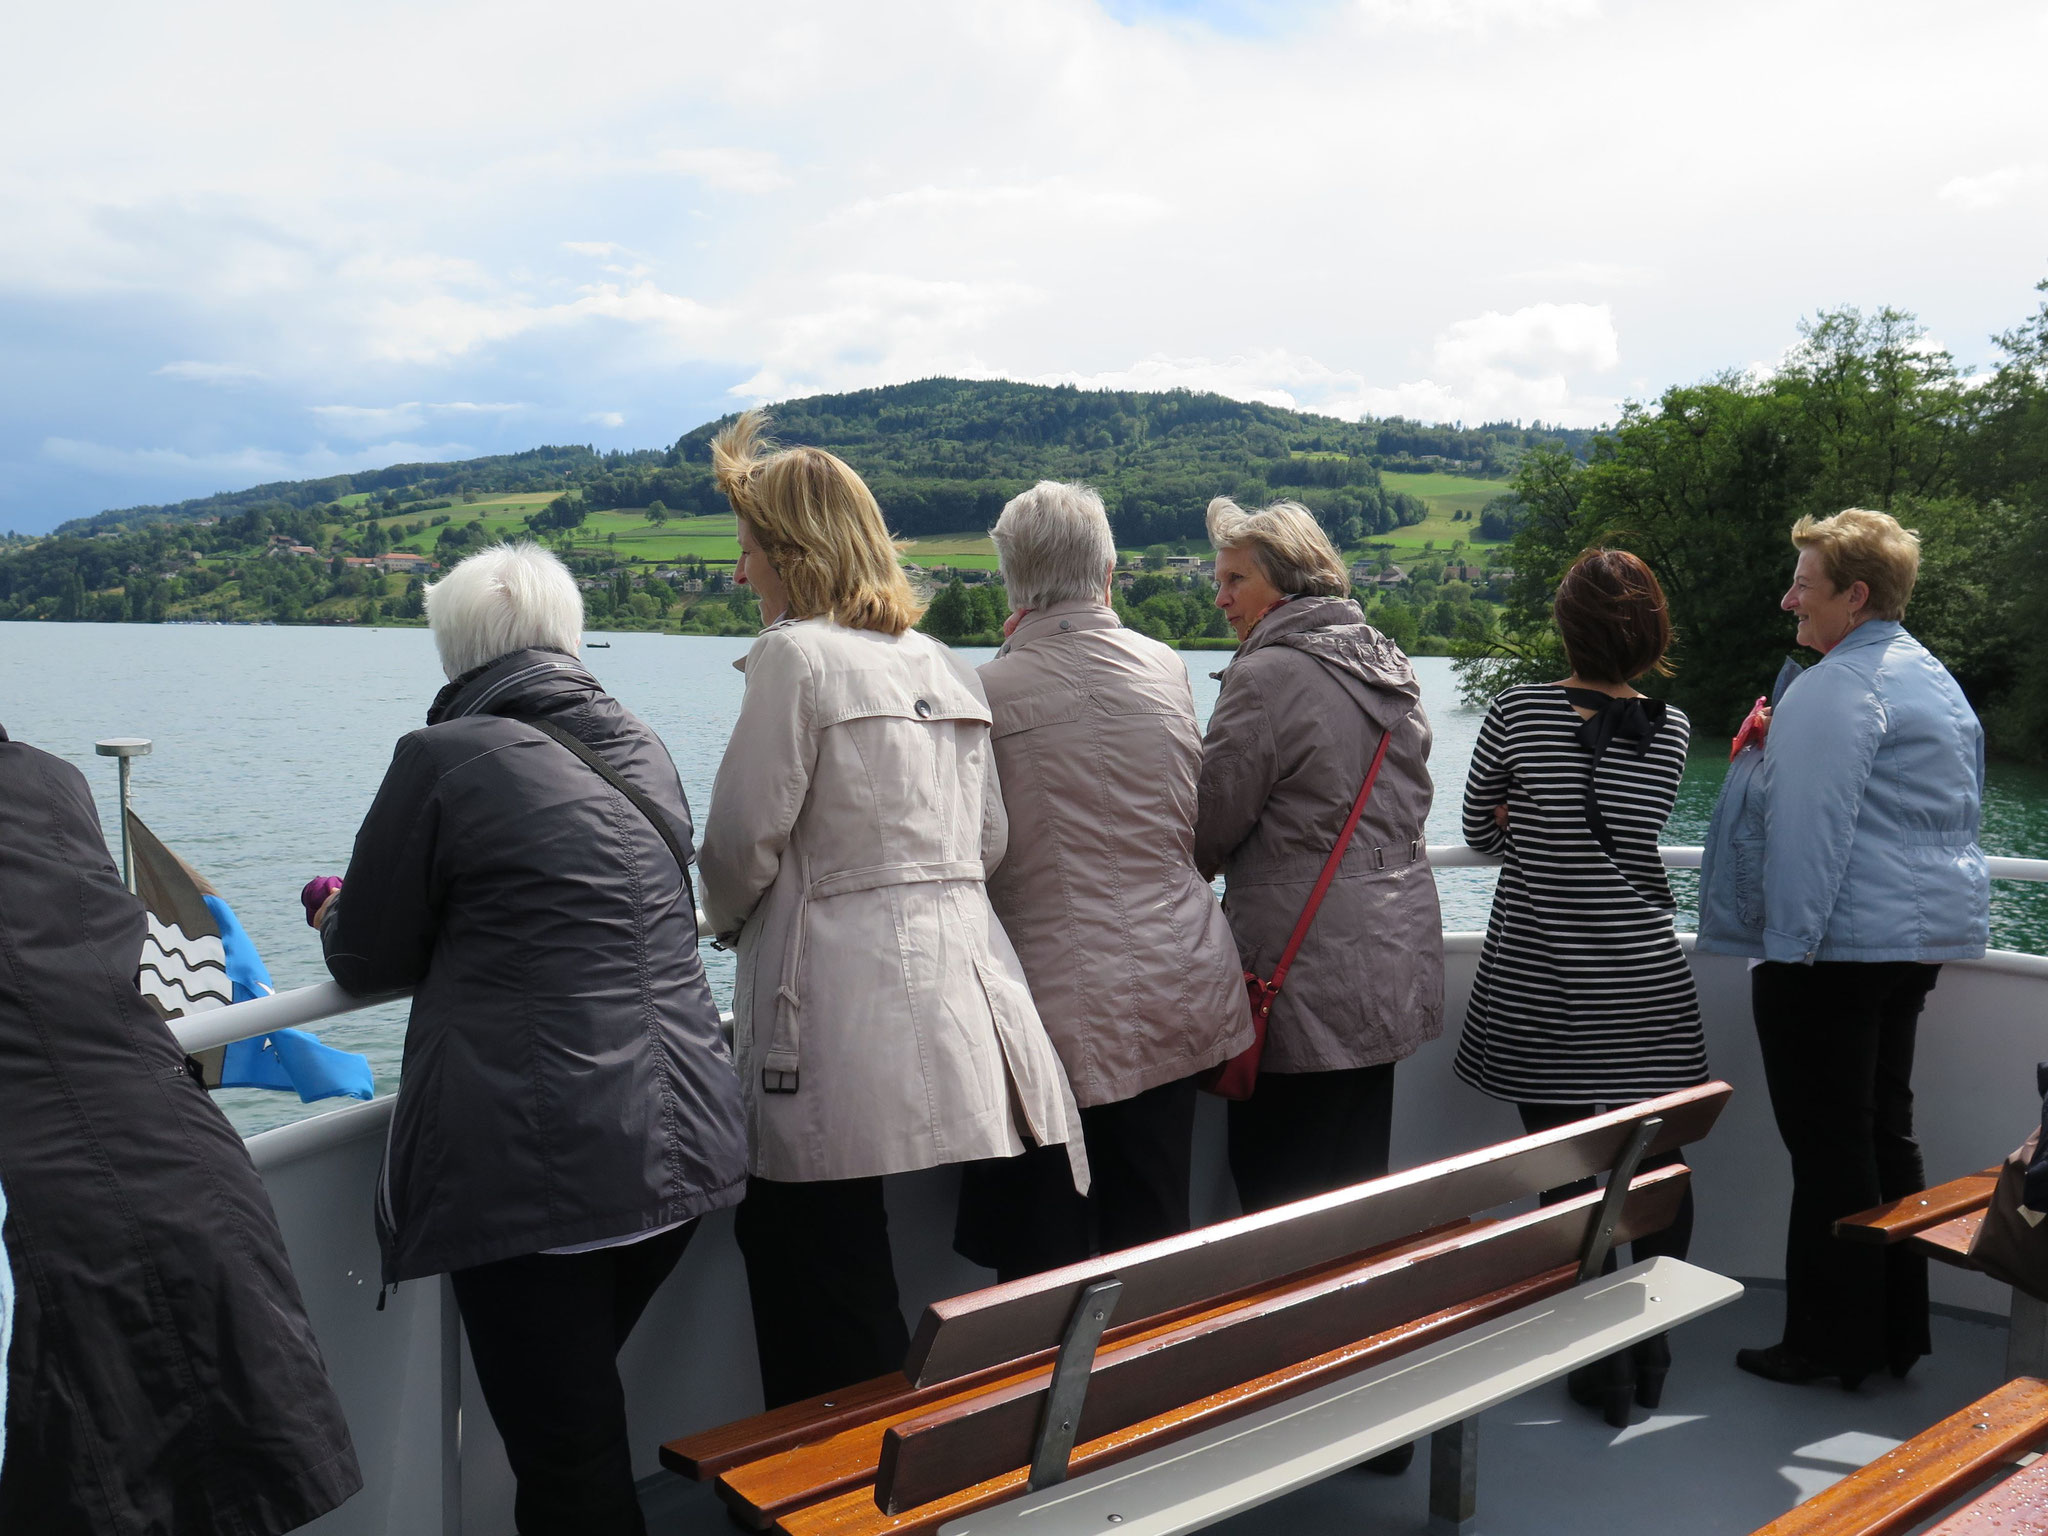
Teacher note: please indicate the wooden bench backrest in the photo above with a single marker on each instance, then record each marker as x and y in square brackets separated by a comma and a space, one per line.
[954, 1447]
[1010, 1322]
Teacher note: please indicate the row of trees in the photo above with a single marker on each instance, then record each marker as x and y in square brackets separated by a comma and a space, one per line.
[1705, 482]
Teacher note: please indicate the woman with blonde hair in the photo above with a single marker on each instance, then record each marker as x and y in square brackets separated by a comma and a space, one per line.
[1850, 870]
[882, 1021]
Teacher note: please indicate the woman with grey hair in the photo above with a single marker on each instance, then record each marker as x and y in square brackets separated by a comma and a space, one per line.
[1127, 953]
[1305, 705]
[568, 1108]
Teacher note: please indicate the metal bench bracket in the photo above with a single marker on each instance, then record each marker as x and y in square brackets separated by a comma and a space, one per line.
[1600, 1240]
[1069, 1391]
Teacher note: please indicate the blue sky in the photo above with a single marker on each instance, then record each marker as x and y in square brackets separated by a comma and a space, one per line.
[242, 242]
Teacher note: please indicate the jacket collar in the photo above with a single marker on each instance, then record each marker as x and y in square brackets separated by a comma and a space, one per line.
[1061, 618]
[517, 683]
[1870, 632]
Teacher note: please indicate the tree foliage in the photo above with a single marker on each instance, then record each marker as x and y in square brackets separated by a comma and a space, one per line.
[1706, 483]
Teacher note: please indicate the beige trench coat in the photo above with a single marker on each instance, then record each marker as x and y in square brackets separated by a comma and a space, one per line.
[1129, 957]
[1302, 710]
[881, 1019]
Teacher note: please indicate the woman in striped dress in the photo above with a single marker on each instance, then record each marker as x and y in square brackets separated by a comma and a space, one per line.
[1583, 1001]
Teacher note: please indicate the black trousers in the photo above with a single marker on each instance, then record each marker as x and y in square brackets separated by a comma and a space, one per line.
[1305, 1133]
[1837, 1044]
[545, 1331]
[822, 1280]
[1020, 1215]
[1674, 1241]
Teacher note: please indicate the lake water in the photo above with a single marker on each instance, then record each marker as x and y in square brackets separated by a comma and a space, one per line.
[270, 742]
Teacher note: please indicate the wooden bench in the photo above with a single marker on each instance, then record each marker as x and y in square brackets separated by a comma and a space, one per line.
[1913, 1481]
[1942, 1222]
[1266, 1351]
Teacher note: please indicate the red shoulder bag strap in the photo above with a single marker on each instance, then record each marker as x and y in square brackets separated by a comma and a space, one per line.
[1330, 865]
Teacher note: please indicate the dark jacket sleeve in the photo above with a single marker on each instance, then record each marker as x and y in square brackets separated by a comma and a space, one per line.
[380, 932]
[1240, 763]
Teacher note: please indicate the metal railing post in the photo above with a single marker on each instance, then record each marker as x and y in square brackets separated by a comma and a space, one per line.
[125, 749]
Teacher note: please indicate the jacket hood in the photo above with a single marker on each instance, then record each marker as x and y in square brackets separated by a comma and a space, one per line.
[1333, 631]
[538, 681]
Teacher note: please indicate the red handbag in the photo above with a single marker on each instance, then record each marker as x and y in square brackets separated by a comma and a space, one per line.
[1235, 1078]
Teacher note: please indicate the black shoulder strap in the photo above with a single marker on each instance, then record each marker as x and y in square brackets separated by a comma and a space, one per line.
[617, 780]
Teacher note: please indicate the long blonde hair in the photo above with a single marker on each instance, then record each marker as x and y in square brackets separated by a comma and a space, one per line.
[819, 525]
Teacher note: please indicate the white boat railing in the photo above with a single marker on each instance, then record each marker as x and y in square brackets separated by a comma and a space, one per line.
[327, 1000]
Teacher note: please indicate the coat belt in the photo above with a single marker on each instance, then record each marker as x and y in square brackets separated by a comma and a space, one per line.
[779, 1062]
[875, 876]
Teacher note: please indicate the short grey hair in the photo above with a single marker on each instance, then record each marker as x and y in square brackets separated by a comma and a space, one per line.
[510, 597]
[1053, 545]
[1288, 546]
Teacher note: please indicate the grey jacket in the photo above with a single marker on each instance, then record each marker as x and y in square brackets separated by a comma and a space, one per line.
[1129, 957]
[1302, 710]
[565, 1079]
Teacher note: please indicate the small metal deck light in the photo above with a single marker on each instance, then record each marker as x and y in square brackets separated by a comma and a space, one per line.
[126, 749]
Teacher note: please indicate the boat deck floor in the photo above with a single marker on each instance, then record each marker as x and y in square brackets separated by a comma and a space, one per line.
[1724, 1453]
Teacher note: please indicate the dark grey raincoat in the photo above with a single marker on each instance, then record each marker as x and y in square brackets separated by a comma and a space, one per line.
[1302, 710]
[163, 1377]
[565, 1080]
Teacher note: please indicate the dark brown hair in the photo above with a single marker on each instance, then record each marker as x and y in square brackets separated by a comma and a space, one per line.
[1613, 617]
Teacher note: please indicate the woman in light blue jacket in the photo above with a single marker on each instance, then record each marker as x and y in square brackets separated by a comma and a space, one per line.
[1845, 863]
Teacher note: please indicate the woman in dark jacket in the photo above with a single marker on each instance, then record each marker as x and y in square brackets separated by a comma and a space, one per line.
[162, 1375]
[568, 1107]
[1304, 706]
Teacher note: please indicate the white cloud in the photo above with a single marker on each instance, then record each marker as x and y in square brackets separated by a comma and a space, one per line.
[1553, 337]
[210, 373]
[1476, 15]
[1993, 189]
[1339, 210]
[606, 418]
[727, 170]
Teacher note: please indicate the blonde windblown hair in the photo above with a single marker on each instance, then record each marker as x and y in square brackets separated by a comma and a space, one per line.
[1860, 545]
[1287, 544]
[820, 527]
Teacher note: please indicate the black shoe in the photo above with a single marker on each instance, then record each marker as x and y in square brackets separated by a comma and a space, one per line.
[1608, 1385]
[1653, 1363]
[1782, 1364]
[1392, 1463]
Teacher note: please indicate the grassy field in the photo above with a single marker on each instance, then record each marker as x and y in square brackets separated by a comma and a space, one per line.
[627, 535]
[1444, 495]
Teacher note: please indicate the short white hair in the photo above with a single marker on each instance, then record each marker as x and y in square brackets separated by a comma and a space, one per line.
[510, 597]
[1054, 546]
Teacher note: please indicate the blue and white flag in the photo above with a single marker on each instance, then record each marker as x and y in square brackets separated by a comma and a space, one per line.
[196, 955]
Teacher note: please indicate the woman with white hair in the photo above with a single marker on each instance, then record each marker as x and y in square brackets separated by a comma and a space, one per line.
[880, 1016]
[1306, 704]
[1128, 955]
[568, 1107]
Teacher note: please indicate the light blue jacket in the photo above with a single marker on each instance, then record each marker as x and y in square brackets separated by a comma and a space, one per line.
[1853, 834]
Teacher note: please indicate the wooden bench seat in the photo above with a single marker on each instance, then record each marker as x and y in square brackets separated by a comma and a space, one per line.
[1082, 1368]
[1912, 1481]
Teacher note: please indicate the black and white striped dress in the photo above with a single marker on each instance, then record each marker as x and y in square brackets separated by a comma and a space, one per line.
[1583, 995]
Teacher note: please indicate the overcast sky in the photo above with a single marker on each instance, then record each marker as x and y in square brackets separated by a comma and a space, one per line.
[242, 242]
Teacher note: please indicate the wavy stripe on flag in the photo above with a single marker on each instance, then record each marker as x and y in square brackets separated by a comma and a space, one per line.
[172, 995]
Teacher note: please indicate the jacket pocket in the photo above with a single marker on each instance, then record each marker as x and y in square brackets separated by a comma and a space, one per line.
[1746, 861]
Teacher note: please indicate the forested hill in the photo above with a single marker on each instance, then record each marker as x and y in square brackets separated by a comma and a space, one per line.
[944, 454]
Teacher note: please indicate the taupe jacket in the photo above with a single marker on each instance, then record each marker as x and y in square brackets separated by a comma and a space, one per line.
[1129, 957]
[881, 1019]
[1302, 710]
